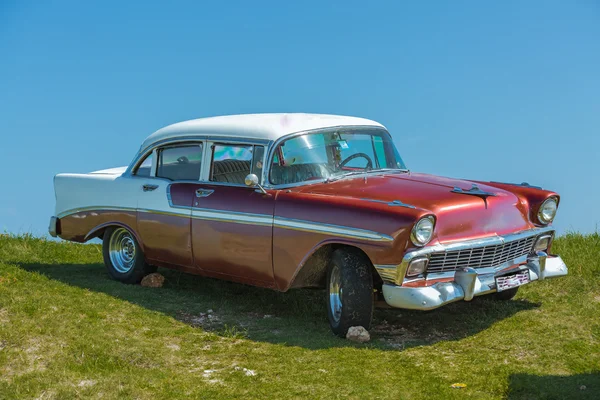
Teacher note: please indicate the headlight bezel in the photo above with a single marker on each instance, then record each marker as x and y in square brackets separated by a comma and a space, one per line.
[540, 211]
[548, 238]
[423, 262]
[414, 235]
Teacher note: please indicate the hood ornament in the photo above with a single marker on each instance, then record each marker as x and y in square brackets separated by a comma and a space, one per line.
[474, 191]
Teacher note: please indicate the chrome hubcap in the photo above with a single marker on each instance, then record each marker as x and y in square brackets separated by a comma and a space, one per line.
[335, 293]
[121, 250]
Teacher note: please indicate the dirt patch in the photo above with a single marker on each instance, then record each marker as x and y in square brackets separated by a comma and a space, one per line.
[86, 383]
[3, 316]
[208, 320]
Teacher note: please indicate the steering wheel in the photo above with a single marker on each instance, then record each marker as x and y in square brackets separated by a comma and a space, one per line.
[356, 155]
[183, 160]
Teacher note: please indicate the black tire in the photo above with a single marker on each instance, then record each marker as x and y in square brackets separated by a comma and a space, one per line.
[506, 294]
[352, 272]
[130, 265]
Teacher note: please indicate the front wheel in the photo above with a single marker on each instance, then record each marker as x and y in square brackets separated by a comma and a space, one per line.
[123, 256]
[350, 291]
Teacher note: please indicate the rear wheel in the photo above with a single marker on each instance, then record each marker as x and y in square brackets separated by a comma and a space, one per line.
[349, 291]
[506, 294]
[123, 256]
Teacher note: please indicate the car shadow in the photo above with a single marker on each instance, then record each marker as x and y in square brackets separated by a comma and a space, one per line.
[295, 318]
[580, 386]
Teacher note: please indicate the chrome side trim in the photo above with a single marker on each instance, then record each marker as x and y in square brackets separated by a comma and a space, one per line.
[174, 213]
[232, 216]
[252, 219]
[387, 272]
[93, 208]
[337, 230]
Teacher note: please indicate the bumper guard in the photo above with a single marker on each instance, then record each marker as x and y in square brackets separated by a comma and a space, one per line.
[468, 283]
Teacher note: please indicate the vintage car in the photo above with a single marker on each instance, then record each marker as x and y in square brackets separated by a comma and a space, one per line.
[287, 201]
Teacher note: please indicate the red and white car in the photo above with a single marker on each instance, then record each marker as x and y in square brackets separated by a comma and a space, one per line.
[287, 201]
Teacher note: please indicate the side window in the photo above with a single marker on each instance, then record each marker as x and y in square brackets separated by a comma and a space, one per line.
[231, 163]
[145, 167]
[180, 163]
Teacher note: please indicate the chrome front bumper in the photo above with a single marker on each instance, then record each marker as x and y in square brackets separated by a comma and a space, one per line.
[467, 283]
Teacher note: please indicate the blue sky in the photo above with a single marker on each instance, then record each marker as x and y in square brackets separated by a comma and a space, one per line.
[505, 91]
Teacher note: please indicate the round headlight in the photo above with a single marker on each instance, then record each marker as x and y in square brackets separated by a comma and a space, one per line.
[422, 231]
[547, 210]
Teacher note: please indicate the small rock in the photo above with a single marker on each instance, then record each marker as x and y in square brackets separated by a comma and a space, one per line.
[209, 311]
[358, 334]
[86, 383]
[266, 316]
[153, 280]
[207, 373]
[582, 387]
[247, 372]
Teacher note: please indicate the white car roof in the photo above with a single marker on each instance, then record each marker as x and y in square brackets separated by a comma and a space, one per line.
[254, 126]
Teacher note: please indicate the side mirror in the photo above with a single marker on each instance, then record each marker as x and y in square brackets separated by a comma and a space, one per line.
[252, 181]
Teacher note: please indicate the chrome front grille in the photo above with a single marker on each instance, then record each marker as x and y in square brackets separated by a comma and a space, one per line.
[480, 257]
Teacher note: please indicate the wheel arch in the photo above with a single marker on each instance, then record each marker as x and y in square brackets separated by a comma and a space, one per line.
[312, 271]
[98, 232]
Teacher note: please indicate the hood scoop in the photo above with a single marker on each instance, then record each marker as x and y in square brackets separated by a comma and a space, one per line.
[474, 191]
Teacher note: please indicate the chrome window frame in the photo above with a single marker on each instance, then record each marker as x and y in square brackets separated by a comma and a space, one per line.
[233, 142]
[207, 141]
[269, 145]
[156, 154]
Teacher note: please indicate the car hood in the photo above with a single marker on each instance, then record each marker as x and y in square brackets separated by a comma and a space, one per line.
[458, 216]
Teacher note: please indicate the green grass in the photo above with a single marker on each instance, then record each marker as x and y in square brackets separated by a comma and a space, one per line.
[68, 331]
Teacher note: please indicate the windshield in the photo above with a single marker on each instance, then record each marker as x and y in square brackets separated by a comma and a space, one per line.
[332, 155]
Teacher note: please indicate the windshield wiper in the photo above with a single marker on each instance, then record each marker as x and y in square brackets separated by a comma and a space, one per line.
[353, 173]
[338, 177]
[404, 171]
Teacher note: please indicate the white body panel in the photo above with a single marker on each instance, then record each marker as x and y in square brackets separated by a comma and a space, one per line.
[95, 191]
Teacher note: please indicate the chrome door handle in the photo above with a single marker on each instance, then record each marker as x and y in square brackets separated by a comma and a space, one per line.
[149, 188]
[204, 192]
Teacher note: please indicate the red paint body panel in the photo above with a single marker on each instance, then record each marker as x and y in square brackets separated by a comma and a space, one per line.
[292, 247]
[78, 227]
[266, 252]
[166, 237]
[458, 216]
[232, 249]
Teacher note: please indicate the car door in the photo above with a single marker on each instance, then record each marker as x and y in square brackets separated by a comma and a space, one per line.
[232, 224]
[164, 204]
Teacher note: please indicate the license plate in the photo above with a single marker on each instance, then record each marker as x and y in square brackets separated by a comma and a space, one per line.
[512, 281]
